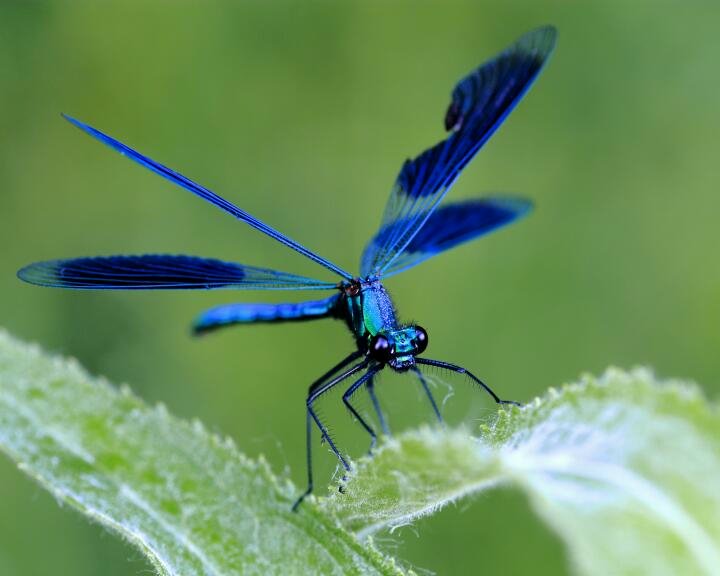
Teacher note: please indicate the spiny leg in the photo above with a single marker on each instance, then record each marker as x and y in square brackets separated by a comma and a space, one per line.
[318, 389]
[319, 392]
[376, 404]
[368, 376]
[325, 435]
[425, 386]
[334, 370]
[309, 417]
[461, 370]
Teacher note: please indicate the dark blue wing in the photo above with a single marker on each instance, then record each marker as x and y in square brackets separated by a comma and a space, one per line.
[453, 224]
[480, 103]
[229, 314]
[206, 194]
[161, 272]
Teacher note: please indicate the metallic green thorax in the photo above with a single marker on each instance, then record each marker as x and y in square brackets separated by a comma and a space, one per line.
[368, 310]
[378, 312]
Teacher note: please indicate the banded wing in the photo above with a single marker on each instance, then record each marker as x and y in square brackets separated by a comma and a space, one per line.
[480, 103]
[161, 272]
[206, 194]
[228, 314]
[451, 225]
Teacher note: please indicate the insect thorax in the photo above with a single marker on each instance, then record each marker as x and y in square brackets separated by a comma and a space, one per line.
[370, 314]
[368, 309]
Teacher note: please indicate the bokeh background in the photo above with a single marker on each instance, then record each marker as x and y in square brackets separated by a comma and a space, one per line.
[302, 113]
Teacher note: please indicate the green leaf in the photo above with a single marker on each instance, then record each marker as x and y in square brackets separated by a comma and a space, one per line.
[187, 499]
[624, 469]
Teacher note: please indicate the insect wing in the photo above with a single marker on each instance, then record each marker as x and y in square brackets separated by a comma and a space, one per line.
[454, 224]
[205, 194]
[480, 103]
[161, 272]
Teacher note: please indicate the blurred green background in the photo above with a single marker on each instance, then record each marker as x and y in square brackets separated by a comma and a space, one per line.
[302, 113]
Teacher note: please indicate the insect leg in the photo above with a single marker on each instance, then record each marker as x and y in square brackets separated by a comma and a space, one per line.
[425, 386]
[368, 376]
[461, 370]
[376, 404]
[316, 389]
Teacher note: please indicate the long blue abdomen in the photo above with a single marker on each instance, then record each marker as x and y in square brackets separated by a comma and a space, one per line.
[250, 313]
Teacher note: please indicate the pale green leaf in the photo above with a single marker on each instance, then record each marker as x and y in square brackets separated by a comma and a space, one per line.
[626, 471]
[189, 500]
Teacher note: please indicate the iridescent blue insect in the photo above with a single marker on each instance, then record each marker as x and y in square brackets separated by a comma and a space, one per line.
[414, 228]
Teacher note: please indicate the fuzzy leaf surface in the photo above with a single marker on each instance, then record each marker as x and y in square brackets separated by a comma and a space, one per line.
[624, 469]
[186, 498]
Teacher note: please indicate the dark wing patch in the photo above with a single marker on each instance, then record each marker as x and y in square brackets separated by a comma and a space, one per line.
[160, 272]
[480, 103]
[455, 224]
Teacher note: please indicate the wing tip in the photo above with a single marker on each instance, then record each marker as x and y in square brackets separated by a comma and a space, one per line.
[98, 135]
[539, 42]
[520, 206]
[549, 30]
[39, 273]
[535, 47]
[74, 121]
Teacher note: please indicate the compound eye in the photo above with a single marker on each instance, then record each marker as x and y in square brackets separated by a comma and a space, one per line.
[380, 348]
[421, 339]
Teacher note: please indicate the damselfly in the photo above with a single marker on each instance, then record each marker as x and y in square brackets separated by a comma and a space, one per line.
[413, 228]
